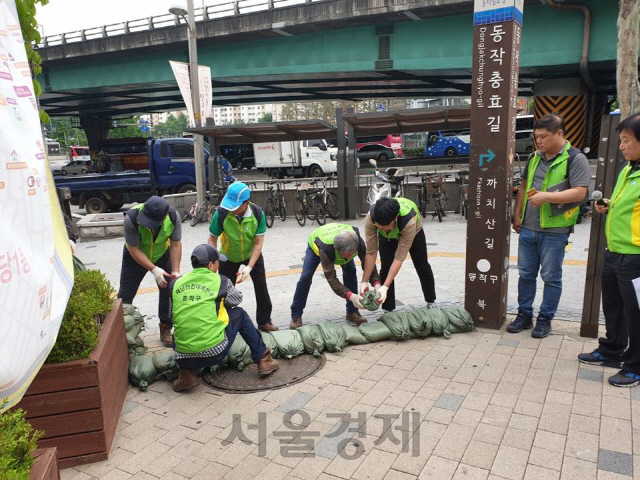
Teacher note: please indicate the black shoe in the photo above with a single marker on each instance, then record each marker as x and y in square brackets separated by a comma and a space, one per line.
[543, 328]
[521, 322]
[596, 358]
[624, 379]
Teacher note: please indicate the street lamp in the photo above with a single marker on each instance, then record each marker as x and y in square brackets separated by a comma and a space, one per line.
[180, 11]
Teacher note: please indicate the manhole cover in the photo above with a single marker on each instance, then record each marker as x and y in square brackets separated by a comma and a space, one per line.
[248, 381]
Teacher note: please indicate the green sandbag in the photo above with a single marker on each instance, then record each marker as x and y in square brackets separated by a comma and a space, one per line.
[271, 344]
[239, 354]
[164, 360]
[354, 336]
[398, 323]
[133, 311]
[133, 337]
[369, 300]
[129, 322]
[335, 338]
[439, 321]
[312, 339]
[418, 324]
[459, 320]
[375, 331]
[142, 372]
[137, 350]
[289, 343]
[78, 266]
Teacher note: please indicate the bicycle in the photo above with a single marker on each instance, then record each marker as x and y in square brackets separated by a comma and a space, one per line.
[196, 213]
[463, 201]
[432, 188]
[308, 204]
[329, 201]
[275, 204]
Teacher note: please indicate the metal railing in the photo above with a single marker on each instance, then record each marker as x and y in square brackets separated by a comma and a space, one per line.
[228, 8]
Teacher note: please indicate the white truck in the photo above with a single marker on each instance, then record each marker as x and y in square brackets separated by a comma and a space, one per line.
[300, 158]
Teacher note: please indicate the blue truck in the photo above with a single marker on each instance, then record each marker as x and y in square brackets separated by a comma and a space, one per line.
[171, 169]
[447, 144]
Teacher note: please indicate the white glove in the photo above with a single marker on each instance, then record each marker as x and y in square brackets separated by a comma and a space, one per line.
[243, 273]
[72, 244]
[160, 275]
[382, 291]
[364, 286]
[356, 300]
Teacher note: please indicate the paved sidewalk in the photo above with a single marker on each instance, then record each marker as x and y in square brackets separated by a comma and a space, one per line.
[481, 405]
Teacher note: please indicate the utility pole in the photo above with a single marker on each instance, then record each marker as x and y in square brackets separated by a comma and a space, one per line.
[627, 68]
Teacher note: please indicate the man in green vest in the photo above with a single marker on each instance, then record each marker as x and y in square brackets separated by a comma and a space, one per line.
[393, 226]
[621, 270]
[207, 319]
[152, 235]
[241, 225]
[330, 245]
[554, 185]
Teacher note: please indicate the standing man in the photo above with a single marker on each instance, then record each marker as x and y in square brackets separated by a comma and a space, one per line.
[207, 320]
[152, 235]
[330, 245]
[241, 226]
[554, 185]
[621, 271]
[393, 225]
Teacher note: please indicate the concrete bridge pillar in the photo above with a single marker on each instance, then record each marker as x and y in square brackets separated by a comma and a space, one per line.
[96, 129]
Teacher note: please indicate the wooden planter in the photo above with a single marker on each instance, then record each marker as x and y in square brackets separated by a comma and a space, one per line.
[45, 466]
[78, 404]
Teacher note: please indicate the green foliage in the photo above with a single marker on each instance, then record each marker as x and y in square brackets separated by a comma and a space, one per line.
[127, 128]
[266, 118]
[413, 152]
[17, 441]
[90, 300]
[172, 128]
[63, 131]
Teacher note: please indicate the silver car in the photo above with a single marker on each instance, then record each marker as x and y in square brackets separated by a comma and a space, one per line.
[524, 141]
[76, 166]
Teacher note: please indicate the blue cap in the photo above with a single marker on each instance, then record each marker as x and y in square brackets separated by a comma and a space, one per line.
[236, 195]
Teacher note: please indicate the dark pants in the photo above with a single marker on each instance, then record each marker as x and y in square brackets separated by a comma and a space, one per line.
[239, 322]
[259, 278]
[420, 261]
[309, 266]
[621, 312]
[131, 275]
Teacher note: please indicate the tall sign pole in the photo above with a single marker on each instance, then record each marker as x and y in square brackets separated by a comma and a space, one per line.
[497, 27]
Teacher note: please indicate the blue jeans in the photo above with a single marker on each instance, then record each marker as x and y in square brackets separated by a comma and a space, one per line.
[309, 266]
[544, 252]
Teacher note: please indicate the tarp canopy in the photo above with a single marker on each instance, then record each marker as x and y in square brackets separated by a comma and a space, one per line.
[267, 132]
[409, 121]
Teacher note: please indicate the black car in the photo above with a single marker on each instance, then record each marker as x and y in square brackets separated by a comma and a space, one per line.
[377, 152]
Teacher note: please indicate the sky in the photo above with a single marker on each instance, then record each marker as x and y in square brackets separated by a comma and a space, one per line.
[62, 16]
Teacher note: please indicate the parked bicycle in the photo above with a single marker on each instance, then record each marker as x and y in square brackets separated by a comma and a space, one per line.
[275, 204]
[329, 201]
[463, 201]
[197, 213]
[308, 204]
[432, 190]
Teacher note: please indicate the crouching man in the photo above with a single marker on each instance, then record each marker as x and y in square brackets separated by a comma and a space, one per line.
[206, 320]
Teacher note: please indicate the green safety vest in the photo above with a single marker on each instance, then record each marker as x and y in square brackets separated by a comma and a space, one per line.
[408, 210]
[238, 237]
[153, 249]
[556, 173]
[322, 239]
[199, 315]
[623, 217]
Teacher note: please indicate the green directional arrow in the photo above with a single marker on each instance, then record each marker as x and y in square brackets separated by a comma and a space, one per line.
[487, 156]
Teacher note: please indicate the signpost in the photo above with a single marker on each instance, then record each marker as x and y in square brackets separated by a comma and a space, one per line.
[497, 28]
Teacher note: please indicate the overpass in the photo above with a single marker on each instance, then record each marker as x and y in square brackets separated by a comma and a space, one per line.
[328, 49]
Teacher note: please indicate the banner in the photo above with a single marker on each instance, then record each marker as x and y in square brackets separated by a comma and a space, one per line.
[36, 269]
[181, 72]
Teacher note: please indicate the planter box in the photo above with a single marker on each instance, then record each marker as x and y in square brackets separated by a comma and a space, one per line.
[78, 404]
[45, 466]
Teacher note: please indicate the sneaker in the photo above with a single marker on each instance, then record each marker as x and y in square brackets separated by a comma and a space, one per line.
[596, 358]
[431, 305]
[543, 328]
[624, 379]
[521, 322]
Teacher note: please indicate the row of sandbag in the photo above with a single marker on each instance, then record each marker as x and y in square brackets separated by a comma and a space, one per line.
[145, 368]
[332, 337]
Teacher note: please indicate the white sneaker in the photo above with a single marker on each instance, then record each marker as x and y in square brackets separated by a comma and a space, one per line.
[431, 305]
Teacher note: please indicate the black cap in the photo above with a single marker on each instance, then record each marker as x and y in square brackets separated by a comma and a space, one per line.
[205, 253]
[153, 212]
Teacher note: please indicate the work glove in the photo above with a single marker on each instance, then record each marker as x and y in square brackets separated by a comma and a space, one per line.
[72, 244]
[243, 273]
[159, 274]
[382, 291]
[356, 300]
[364, 286]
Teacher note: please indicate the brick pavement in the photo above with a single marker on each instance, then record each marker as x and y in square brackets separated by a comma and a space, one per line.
[481, 405]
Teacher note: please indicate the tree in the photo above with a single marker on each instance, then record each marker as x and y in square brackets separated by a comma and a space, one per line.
[172, 128]
[266, 118]
[127, 128]
[62, 130]
[627, 68]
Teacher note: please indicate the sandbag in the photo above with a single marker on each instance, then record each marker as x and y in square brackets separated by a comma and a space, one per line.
[335, 338]
[129, 322]
[369, 300]
[78, 266]
[439, 321]
[271, 344]
[398, 323]
[142, 372]
[418, 325]
[375, 331]
[459, 320]
[312, 339]
[354, 336]
[239, 354]
[289, 343]
[164, 360]
[133, 311]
